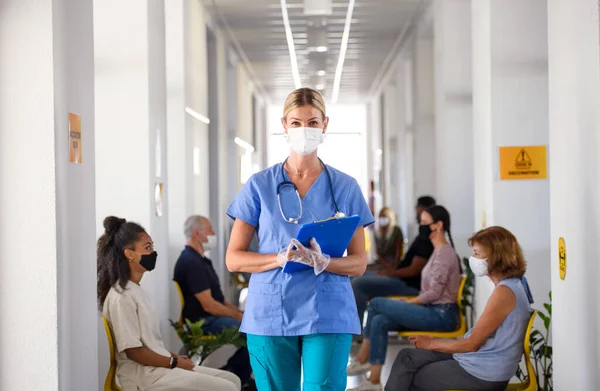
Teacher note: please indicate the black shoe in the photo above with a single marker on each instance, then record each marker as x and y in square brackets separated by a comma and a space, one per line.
[250, 385]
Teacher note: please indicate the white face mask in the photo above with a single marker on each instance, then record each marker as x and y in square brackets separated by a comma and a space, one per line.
[211, 244]
[384, 221]
[479, 267]
[304, 141]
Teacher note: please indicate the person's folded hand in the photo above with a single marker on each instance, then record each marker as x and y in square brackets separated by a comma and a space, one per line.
[311, 256]
[285, 254]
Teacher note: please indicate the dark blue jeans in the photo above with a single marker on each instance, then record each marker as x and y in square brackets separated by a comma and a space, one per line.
[387, 314]
[239, 363]
[369, 286]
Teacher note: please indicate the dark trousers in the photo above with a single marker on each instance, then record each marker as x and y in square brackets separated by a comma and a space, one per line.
[425, 370]
[239, 363]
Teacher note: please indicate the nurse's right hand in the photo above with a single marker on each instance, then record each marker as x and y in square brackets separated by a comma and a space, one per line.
[185, 363]
[285, 254]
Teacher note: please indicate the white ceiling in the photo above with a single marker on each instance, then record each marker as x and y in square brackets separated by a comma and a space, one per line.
[258, 27]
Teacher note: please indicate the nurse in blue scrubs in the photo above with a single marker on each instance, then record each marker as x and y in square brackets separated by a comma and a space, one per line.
[302, 320]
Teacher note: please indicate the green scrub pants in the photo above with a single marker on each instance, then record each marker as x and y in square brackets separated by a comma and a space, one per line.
[277, 362]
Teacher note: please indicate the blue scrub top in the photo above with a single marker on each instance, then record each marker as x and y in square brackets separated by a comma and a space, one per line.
[281, 304]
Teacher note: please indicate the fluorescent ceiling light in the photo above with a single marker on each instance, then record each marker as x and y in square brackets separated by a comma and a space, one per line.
[318, 82]
[340, 65]
[316, 39]
[291, 47]
[317, 7]
[317, 61]
[247, 146]
[321, 73]
[197, 115]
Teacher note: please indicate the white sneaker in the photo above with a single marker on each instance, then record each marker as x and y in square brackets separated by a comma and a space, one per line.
[355, 368]
[367, 386]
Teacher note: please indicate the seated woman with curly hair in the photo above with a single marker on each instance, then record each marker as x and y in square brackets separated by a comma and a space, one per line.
[489, 354]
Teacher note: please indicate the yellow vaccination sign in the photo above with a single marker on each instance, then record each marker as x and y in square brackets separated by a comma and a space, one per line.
[523, 163]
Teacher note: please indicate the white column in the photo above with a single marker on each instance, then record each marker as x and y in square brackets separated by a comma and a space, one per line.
[180, 149]
[403, 204]
[453, 116]
[510, 108]
[424, 106]
[574, 63]
[47, 233]
[131, 143]
[76, 217]
[28, 241]
[389, 147]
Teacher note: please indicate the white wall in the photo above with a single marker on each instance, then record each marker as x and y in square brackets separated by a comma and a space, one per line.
[197, 98]
[376, 162]
[130, 60]
[390, 146]
[510, 94]
[404, 202]
[180, 168]
[574, 61]
[157, 91]
[75, 186]
[453, 117]
[28, 238]
[424, 117]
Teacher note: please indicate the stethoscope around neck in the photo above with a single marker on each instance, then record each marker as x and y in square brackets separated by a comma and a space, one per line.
[294, 220]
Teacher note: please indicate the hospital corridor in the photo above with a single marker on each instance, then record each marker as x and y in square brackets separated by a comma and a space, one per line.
[299, 195]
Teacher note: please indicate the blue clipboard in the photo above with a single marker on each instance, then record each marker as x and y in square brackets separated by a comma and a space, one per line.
[332, 235]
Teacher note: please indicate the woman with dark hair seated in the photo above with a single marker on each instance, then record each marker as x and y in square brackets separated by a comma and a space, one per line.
[125, 253]
[489, 354]
[435, 309]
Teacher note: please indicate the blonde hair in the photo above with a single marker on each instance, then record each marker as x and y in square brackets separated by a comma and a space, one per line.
[505, 257]
[389, 213]
[304, 97]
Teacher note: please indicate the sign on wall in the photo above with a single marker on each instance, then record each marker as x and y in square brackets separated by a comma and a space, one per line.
[529, 162]
[562, 258]
[74, 138]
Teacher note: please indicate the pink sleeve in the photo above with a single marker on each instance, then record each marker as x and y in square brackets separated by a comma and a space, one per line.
[437, 277]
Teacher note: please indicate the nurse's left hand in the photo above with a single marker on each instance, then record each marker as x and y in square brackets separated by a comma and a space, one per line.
[312, 256]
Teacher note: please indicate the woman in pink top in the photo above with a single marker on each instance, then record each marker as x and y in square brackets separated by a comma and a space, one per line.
[435, 309]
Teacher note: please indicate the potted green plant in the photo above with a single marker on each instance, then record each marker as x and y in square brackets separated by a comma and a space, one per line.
[198, 344]
[541, 351]
[468, 294]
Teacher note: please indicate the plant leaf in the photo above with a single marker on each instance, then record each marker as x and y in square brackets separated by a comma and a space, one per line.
[548, 308]
[546, 320]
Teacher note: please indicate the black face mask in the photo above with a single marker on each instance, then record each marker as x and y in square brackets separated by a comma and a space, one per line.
[425, 231]
[148, 261]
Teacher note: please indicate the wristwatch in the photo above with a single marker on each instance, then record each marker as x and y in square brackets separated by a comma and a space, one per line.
[173, 362]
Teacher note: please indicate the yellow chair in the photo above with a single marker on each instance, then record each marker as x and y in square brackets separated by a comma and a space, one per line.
[462, 323]
[181, 301]
[530, 384]
[239, 280]
[110, 384]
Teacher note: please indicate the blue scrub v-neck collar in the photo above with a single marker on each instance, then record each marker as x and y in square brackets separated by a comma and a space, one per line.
[287, 178]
